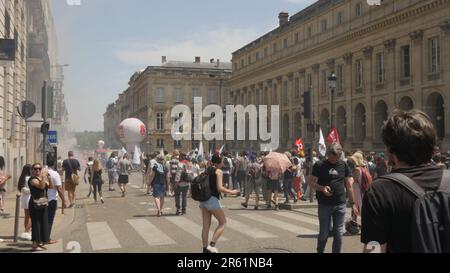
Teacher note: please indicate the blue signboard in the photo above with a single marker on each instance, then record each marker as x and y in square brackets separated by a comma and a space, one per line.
[53, 137]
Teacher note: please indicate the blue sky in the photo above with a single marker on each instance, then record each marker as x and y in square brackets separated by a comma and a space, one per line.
[106, 41]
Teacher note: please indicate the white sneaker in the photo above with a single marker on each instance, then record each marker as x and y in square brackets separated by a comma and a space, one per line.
[212, 249]
[26, 236]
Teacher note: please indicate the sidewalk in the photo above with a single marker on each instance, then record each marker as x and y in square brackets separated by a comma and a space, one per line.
[7, 219]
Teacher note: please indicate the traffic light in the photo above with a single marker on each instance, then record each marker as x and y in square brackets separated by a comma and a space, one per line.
[45, 127]
[307, 104]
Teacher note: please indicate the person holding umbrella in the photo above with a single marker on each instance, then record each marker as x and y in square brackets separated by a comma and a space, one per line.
[275, 164]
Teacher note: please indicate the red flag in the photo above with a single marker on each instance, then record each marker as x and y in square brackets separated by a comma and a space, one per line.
[334, 137]
[299, 144]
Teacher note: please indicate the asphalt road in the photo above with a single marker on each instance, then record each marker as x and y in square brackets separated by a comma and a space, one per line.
[130, 225]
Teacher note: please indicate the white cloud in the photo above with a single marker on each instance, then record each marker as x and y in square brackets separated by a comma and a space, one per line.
[218, 44]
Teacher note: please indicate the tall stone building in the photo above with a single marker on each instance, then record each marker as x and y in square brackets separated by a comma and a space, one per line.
[153, 92]
[41, 66]
[395, 55]
[13, 25]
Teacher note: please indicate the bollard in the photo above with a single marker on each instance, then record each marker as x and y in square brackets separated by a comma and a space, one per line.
[16, 220]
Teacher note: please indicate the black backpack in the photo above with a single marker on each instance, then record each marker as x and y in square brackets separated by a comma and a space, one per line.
[430, 223]
[200, 189]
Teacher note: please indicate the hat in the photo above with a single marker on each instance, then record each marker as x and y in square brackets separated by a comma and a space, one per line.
[358, 158]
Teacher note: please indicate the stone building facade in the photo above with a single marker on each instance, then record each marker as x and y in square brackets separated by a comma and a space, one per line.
[153, 92]
[395, 55]
[13, 25]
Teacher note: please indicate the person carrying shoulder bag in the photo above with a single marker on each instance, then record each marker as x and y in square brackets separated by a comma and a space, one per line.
[39, 183]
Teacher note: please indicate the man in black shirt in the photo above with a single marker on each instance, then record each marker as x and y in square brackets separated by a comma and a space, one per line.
[387, 206]
[331, 178]
[71, 165]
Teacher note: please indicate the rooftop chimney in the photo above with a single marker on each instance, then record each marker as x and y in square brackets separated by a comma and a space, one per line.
[218, 62]
[164, 59]
[197, 60]
[284, 18]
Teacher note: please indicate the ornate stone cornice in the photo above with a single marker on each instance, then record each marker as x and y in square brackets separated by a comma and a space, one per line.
[279, 78]
[416, 36]
[330, 63]
[389, 44]
[252, 86]
[445, 27]
[290, 75]
[269, 81]
[367, 51]
[315, 68]
[348, 58]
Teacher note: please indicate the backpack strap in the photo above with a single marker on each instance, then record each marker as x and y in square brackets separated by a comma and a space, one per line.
[445, 182]
[406, 182]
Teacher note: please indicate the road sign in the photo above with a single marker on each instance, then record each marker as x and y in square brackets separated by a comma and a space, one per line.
[26, 109]
[53, 137]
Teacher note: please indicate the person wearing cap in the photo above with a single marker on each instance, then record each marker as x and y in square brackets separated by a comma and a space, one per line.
[360, 167]
[332, 179]
[157, 180]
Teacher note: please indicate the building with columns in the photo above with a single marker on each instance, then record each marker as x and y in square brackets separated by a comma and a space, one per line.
[152, 93]
[395, 55]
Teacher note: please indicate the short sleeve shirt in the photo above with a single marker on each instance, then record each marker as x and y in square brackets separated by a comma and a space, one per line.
[75, 164]
[332, 175]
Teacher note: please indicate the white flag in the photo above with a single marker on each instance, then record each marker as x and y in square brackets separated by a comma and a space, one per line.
[322, 147]
[136, 155]
[200, 149]
[161, 152]
[122, 152]
[221, 149]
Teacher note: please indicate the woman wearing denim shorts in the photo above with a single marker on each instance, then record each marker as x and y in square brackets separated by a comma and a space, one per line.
[212, 205]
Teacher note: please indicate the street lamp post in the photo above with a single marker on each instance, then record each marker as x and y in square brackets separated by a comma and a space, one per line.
[332, 84]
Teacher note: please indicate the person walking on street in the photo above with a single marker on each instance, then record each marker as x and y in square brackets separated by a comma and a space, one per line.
[288, 179]
[158, 177]
[183, 179]
[241, 175]
[39, 183]
[173, 167]
[253, 182]
[97, 180]
[71, 166]
[124, 172]
[273, 185]
[212, 206]
[88, 171]
[25, 196]
[392, 204]
[3, 179]
[361, 178]
[330, 178]
[111, 166]
[53, 194]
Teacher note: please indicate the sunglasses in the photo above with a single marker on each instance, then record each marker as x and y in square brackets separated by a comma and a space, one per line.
[37, 169]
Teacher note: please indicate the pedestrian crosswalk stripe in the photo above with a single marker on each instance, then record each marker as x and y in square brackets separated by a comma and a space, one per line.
[191, 227]
[299, 217]
[101, 236]
[250, 231]
[150, 233]
[280, 224]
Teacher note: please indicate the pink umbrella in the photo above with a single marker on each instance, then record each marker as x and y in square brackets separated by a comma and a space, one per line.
[276, 162]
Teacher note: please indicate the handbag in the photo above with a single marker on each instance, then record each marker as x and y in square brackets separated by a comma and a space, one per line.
[42, 202]
[75, 179]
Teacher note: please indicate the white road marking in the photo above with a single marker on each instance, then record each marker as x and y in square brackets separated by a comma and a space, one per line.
[191, 227]
[280, 224]
[150, 233]
[250, 231]
[101, 236]
[299, 217]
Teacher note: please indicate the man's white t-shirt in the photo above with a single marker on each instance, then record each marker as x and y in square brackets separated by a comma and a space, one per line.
[56, 179]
